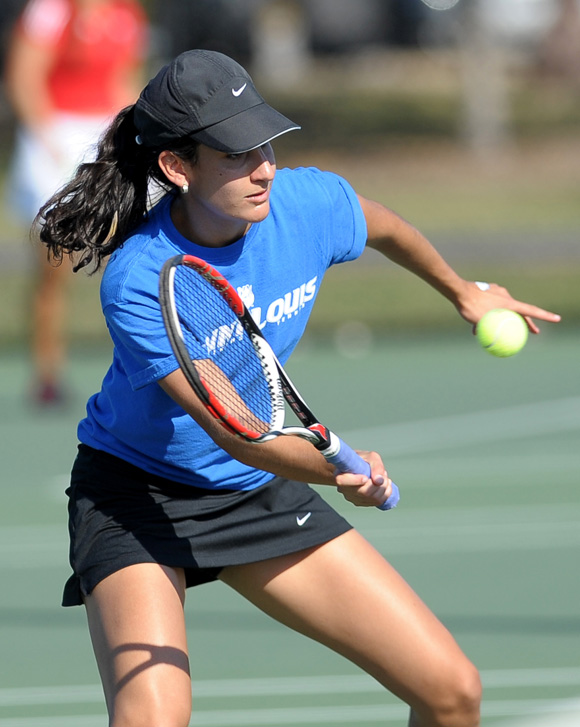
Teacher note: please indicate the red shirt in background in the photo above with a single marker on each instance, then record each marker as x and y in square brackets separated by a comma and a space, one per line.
[93, 51]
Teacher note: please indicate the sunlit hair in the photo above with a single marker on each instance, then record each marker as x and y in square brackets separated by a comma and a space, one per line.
[106, 199]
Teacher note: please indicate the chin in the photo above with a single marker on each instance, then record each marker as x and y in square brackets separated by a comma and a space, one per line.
[260, 212]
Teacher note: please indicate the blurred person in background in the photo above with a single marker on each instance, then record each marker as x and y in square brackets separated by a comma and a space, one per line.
[559, 55]
[71, 66]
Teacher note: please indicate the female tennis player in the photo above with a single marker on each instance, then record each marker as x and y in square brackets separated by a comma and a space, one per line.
[162, 497]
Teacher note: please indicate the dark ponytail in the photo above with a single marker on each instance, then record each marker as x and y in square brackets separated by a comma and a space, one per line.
[91, 216]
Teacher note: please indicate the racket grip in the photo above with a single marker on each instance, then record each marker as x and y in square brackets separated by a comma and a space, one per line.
[346, 459]
[393, 499]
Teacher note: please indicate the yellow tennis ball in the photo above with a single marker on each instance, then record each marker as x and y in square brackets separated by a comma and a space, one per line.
[502, 332]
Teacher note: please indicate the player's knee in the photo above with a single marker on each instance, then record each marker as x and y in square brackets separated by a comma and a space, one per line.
[455, 700]
[459, 701]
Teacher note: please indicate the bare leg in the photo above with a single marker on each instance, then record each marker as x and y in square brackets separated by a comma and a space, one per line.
[138, 632]
[346, 596]
[48, 324]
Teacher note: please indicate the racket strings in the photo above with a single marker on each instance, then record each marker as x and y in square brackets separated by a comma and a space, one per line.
[222, 352]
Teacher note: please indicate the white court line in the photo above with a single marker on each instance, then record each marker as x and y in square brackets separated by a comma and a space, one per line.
[568, 715]
[564, 676]
[564, 713]
[287, 686]
[350, 714]
[513, 422]
[557, 710]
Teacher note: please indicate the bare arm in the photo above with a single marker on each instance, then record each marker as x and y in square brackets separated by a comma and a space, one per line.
[289, 457]
[403, 244]
[26, 75]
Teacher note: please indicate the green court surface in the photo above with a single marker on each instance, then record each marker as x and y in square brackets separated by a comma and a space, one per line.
[486, 453]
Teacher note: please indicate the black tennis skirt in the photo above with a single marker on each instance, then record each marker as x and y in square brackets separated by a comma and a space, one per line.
[120, 515]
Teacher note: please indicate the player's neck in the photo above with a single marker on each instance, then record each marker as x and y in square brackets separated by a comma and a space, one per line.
[204, 229]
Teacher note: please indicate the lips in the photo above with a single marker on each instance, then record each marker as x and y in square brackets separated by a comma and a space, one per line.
[259, 197]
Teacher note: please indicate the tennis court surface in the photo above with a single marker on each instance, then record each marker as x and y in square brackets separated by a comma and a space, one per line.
[486, 454]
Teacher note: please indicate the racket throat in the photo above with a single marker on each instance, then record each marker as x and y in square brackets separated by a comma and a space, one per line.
[326, 441]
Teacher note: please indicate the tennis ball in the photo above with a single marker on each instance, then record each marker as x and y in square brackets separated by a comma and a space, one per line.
[502, 332]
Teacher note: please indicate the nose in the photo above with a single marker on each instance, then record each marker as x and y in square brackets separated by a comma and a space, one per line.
[265, 163]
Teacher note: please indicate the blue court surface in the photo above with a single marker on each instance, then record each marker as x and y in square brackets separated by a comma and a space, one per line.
[486, 453]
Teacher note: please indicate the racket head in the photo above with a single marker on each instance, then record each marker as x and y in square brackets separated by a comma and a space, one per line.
[217, 344]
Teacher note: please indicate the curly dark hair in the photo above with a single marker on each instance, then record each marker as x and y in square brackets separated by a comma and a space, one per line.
[106, 199]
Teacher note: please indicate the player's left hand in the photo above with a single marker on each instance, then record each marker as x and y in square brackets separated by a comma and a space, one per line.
[479, 298]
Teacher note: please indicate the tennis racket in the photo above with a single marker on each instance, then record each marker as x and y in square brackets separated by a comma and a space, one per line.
[232, 368]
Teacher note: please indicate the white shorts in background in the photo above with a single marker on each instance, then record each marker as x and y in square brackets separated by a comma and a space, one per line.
[40, 169]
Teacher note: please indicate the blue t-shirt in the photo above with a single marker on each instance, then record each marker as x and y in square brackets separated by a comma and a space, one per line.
[315, 221]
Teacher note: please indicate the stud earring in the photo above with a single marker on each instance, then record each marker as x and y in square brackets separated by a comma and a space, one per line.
[184, 188]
